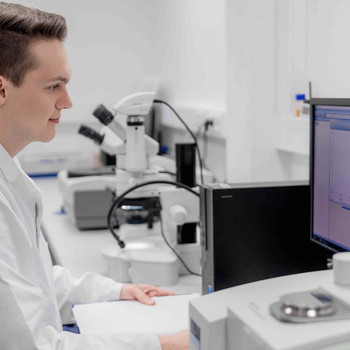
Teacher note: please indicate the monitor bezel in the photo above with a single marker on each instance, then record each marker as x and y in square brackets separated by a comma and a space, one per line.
[341, 102]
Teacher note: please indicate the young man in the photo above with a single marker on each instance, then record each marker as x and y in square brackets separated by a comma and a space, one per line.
[36, 298]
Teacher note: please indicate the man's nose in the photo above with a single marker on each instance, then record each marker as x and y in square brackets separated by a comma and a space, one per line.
[65, 102]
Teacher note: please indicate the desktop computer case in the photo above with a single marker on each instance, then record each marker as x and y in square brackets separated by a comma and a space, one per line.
[251, 232]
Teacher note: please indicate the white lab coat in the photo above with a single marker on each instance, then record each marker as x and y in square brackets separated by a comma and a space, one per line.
[34, 296]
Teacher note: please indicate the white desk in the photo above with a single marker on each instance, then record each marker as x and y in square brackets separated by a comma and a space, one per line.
[81, 251]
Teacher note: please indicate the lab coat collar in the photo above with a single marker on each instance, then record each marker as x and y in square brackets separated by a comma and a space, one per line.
[9, 166]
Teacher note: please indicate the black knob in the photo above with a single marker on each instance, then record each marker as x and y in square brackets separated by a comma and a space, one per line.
[103, 114]
[91, 134]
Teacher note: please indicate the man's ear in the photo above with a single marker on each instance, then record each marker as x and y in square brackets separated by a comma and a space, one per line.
[3, 90]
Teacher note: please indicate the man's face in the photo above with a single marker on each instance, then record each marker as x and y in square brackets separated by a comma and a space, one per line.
[34, 108]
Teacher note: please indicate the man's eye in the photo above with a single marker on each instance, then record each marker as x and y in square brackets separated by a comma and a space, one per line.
[54, 87]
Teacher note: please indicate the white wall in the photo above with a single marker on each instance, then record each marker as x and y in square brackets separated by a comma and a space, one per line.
[274, 49]
[113, 45]
[251, 121]
[312, 46]
[328, 49]
[238, 62]
[110, 48]
[190, 51]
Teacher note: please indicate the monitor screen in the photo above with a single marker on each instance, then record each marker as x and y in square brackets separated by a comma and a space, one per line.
[330, 173]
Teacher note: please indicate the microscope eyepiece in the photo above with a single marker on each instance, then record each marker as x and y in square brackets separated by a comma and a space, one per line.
[103, 114]
[91, 134]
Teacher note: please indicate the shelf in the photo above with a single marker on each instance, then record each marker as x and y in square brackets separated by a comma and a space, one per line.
[293, 150]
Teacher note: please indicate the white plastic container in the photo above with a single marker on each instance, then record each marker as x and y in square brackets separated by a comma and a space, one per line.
[159, 269]
[146, 260]
[341, 268]
[190, 254]
[298, 104]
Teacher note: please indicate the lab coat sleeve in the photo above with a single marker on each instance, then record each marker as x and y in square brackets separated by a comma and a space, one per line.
[22, 325]
[89, 288]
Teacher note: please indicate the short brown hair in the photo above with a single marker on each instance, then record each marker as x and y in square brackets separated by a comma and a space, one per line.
[19, 27]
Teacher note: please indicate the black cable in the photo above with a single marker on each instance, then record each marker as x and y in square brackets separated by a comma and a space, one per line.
[202, 125]
[205, 145]
[205, 126]
[118, 200]
[173, 250]
[198, 134]
[121, 197]
[191, 133]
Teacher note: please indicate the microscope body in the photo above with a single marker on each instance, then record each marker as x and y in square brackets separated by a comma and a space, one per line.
[146, 254]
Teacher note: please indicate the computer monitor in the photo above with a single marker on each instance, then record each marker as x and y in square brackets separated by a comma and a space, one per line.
[330, 173]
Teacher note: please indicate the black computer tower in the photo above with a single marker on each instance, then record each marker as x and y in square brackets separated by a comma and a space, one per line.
[251, 232]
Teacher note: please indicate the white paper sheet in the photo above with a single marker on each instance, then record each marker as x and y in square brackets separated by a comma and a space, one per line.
[169, 314]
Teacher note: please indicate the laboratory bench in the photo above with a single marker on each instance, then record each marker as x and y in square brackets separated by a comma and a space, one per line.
[81, 251]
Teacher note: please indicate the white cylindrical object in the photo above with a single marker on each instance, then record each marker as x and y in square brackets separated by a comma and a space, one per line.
[159, 268]
[341, 268]
[179, 214]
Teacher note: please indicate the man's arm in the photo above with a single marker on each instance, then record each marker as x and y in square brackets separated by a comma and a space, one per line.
[89, 288]
[92, 287]
[176, 341]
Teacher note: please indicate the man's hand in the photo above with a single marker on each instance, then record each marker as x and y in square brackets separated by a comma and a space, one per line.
[142, 293]
[176, 341]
